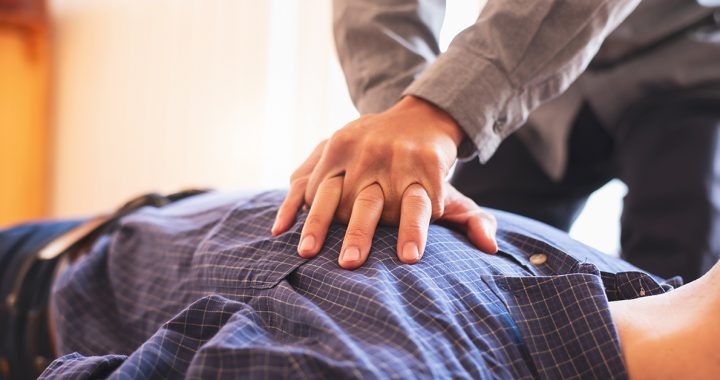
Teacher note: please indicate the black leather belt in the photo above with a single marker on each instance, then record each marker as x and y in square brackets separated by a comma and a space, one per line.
[25, 349]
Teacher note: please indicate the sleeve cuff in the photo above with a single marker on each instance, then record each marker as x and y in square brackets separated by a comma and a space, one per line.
[477, 94]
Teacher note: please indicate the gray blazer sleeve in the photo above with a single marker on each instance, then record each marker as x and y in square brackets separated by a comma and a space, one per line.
[517, 55]
[383, 45]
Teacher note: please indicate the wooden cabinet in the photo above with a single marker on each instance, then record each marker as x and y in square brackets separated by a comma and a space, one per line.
[24, 132]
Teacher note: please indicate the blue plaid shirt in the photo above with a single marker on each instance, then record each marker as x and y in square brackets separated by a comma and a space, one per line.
[199, 289]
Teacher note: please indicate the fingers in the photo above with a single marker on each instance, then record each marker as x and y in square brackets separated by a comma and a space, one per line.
[481, 229]
[433, 181]
[364, 218]
[415, 216]
[465, 215]
[295, 198]
[320, 217]
[288, 210]
[326, 166]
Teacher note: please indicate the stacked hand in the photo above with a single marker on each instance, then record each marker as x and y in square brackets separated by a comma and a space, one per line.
[384, 168]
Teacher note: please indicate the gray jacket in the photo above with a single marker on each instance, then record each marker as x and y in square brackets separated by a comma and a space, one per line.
[524, 61]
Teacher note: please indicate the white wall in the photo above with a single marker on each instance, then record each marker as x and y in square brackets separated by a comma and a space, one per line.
[164, 94]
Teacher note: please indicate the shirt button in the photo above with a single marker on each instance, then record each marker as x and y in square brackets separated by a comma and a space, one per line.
[498, 124]
[538, 259]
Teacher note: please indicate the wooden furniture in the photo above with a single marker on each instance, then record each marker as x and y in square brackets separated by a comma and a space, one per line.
[24, 132]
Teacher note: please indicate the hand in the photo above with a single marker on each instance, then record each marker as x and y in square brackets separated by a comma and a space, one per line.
[412, 142]
[460, 213]
[390, 150]
[296, 196]
[464, 215]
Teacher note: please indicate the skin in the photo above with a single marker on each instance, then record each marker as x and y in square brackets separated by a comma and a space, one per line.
[673, 335]
[385, 168]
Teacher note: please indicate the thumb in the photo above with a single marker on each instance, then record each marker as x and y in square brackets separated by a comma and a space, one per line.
[481, 229]
[461, 213]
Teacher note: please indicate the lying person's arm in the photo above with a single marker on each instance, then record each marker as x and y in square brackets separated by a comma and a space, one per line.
[200, 289]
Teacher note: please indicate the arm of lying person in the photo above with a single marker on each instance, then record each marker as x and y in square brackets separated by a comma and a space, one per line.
[199, 289]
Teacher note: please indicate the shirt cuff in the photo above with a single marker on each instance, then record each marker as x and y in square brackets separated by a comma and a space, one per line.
[476, 93]
[564, 324]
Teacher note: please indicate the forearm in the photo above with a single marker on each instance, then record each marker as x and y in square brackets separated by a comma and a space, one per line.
[383, 45]
[518, 55]
[671, 335]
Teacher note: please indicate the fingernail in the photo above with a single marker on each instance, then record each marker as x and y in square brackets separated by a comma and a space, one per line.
[351, 254]
[274, 227]
[489, 231]
[307, 244]
[410, 252]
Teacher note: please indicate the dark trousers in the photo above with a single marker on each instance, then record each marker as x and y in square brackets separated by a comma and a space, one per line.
[25, 349]
[665, 150]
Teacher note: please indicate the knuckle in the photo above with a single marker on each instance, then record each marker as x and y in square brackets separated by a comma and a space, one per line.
[369, 198]
[360, 122]
[406, 148]
[337, 136]
[314, 222]
[334, 182]
[367, 159]
[357, 234]
[407, 153]
[382, 144]
[367, 204]
[416, 197]
[345, 136]
[416, 189]
[430, 154]
[414, 227]
[437, 164]
[295, 175]
[337, 143]
[328, 191]
[299, 180]
[374, 150]
[417, 205]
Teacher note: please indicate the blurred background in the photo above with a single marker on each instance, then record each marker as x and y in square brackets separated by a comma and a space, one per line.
[102, 100]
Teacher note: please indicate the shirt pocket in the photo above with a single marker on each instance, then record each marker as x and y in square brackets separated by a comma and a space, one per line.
[563, 325]
[240, 253]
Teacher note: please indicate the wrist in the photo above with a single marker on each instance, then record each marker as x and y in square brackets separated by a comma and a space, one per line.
[441, 119]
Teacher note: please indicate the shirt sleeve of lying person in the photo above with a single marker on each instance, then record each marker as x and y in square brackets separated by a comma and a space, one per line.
[200, 289]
